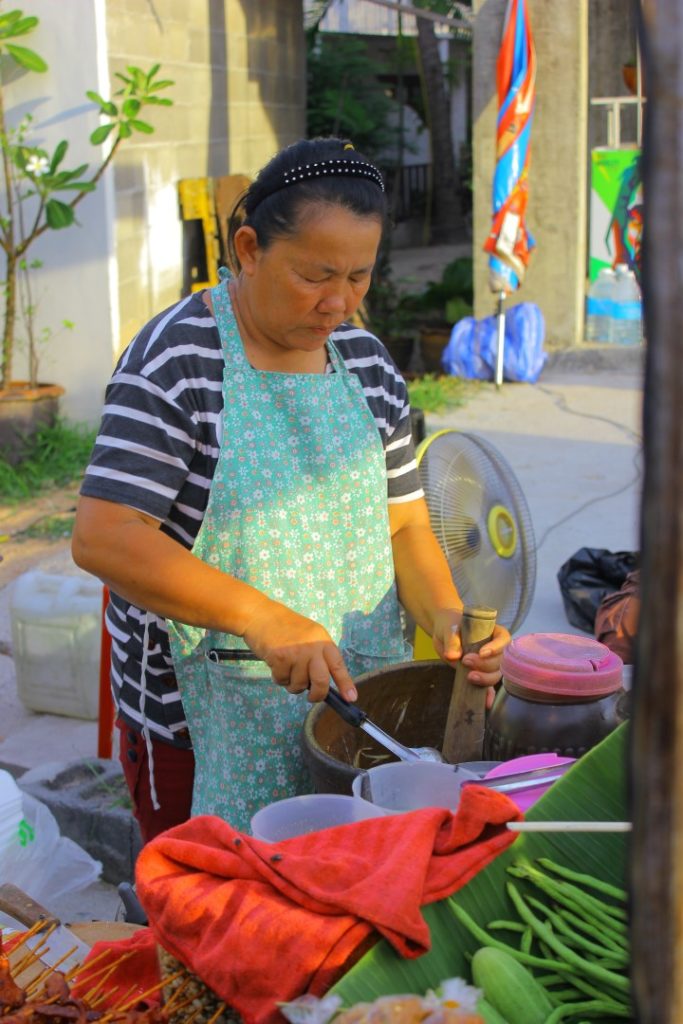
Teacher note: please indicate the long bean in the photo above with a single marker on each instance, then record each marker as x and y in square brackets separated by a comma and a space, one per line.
[489, 940]
[560, 949]
[590, 881]
[572, 938]
[588, 989]
[571, 896]
[609, 937]
[599, 1007]
[587, 899]
[506, 926]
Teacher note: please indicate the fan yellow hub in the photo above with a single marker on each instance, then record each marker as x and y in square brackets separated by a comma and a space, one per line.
[502, 531]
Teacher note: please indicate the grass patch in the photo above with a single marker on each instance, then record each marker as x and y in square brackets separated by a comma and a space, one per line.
[50, 528]
[435, 392]
[58, 456]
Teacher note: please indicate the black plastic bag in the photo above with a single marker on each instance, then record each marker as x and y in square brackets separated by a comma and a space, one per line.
[588, 577]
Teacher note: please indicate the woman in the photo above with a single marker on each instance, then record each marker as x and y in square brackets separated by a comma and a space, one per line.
[253, 489]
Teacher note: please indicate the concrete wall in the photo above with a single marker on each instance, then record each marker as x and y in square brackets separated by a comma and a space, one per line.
[77, 280]
[239, 95]
[557, 180]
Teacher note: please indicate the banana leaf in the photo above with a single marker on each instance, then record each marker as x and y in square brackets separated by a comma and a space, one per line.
[594, 789]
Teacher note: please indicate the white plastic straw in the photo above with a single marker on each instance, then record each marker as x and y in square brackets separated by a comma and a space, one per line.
[569, 826]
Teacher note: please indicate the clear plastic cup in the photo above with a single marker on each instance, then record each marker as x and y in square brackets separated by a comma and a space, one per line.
[298, 815]
[407, 786]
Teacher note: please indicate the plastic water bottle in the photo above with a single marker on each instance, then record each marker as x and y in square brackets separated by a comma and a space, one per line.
[599, 306]
[627, 314]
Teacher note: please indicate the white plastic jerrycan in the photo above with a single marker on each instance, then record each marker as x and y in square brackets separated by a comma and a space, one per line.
[56, 638]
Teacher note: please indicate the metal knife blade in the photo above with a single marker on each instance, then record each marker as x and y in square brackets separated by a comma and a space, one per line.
[60, 949]
[523, 780]
[404, 753]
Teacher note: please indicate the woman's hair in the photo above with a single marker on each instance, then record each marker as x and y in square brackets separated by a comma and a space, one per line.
[313, 171]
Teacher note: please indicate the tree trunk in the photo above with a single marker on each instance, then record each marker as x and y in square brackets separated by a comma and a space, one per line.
[10, 261]
[10, 318]
[446, 212]
[657, 728]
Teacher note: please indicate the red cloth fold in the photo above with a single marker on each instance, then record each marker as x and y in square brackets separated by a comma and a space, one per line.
[131, 979]
[262, 923]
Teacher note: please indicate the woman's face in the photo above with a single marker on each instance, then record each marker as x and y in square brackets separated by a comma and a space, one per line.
[299, 289]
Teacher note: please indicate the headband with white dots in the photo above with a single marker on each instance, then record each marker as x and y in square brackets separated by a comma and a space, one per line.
[328, 169]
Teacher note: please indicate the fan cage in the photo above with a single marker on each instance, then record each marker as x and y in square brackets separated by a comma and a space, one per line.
[482, 521]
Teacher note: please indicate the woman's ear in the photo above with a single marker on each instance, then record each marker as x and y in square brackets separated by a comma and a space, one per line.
[247, 248]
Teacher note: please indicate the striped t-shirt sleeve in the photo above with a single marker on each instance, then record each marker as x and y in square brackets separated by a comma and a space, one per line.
[157, 446]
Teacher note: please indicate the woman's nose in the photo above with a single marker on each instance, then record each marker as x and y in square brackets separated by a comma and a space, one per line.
[334, 301]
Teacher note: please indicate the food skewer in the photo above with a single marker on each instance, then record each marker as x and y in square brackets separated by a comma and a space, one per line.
[569, 826]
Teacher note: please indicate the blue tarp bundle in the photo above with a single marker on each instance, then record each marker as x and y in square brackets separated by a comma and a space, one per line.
[471, 350]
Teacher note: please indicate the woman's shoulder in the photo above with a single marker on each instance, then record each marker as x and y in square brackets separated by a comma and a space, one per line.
[183, 330]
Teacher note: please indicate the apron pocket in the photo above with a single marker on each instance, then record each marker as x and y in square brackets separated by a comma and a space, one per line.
[246, 733]
[358, 662]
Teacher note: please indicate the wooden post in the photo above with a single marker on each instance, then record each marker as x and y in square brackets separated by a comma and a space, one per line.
[464, 733]
[656, 757]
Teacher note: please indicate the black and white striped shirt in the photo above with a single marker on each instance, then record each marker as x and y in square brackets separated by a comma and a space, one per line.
[157, 450]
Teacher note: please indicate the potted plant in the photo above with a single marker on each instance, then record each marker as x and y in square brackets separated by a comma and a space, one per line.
[439, 307]
[386, 314]
[33, 201]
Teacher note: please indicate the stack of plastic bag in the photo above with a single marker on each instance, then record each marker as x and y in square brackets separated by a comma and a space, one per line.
[473, 345]
[33, 854]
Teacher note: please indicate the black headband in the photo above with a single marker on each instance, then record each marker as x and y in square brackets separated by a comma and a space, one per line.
[339, 168]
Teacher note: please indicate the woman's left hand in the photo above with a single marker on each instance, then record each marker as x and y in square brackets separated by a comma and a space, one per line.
[484, 666]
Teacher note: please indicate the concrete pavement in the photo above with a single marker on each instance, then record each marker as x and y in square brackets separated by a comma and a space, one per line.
[573, 442]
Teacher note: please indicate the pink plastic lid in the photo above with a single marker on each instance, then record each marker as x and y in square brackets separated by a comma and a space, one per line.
[562, 665]
[525, 798]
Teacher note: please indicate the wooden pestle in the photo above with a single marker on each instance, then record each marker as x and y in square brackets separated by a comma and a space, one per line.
[464, 734]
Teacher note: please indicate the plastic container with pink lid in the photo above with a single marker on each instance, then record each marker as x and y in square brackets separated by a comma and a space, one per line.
[560, 693]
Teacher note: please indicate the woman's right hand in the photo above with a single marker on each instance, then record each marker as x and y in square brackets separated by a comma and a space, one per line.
[299, 652]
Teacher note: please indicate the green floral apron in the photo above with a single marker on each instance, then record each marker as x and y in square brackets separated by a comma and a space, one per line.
[298, 509]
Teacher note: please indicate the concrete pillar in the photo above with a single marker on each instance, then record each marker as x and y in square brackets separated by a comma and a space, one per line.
[558, 185]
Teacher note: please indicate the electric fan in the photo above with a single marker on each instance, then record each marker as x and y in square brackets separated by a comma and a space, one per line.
[482, 522]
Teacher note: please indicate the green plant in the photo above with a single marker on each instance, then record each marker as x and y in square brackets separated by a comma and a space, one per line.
[57, 456]
[448, 299]
[434, 393]
[386, 313]
[114, 794]
[345, 96]
[35, 178]
[49, 528]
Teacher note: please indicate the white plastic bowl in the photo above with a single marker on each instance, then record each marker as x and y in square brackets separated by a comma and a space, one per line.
[298, 815]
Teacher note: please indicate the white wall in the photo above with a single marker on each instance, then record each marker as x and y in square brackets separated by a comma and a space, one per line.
[78, 279]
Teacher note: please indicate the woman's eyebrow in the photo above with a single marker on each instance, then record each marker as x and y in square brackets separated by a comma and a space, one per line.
[323, 268]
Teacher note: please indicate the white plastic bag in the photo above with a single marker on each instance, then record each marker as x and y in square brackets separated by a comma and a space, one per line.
[41, 861]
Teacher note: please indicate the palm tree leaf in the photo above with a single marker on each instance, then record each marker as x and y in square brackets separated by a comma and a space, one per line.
[594, 789]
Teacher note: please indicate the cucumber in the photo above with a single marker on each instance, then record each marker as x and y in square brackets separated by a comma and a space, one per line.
[509, 987]
[489, 1014]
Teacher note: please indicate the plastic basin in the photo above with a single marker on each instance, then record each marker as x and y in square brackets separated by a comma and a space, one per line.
[409, 701]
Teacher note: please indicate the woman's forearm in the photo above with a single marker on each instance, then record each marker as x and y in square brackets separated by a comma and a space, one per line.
[424, 580]
[129, 553]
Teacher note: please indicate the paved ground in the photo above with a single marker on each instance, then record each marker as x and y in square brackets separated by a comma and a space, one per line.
[573, 443]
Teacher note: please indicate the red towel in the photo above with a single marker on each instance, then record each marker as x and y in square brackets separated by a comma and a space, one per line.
[262, 923]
